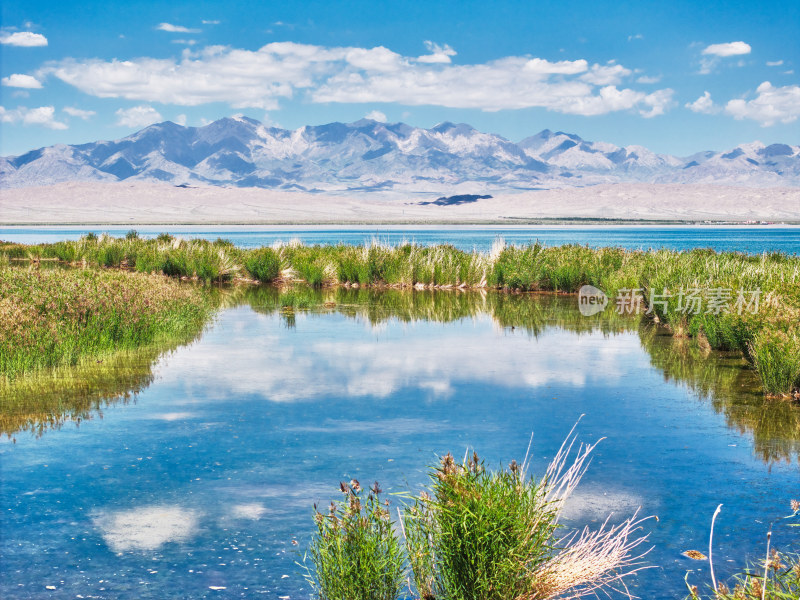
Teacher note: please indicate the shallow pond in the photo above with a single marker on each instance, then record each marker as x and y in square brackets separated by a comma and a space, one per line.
[192, 473]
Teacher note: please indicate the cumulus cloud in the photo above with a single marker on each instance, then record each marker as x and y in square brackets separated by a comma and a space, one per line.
[713, 53]
[649, 79]
[168, 27]
[438, 54]
[703, 105]
[772, 105]
[729, 49]
[79, 113]
[261, 78]
[774, 63]
[180, 119]
[508, 83]
[26, 39]
[376, 115]
[18, 80]
[138, 116]
[43, 115]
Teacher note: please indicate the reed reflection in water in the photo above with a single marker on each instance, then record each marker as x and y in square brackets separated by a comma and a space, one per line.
[47, 400]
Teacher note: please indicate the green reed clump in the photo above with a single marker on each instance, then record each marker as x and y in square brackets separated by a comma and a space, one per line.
[263, 264]
[479, 532]
[355, 553]
[50, 318]
[482, 535]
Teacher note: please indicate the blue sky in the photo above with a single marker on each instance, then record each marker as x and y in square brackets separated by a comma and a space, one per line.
[677, 77]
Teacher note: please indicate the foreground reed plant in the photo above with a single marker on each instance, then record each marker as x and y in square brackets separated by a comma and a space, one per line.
[475, 535]
[355, 554]
[481, 535]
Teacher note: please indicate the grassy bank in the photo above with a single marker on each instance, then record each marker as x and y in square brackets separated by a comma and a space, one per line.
[59, 317]
[665, 282]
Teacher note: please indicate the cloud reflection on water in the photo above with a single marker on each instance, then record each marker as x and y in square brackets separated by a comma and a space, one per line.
[146, 528]
[325, 359]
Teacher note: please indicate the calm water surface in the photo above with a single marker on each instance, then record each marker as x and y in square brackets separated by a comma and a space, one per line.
[752, 239]
[206, 478]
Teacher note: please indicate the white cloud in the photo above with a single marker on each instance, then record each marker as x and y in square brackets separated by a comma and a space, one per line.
[138, 116]
[259, 79]
[168, 27]
[637, 36]
[376, 115]
[43, 115]
[185, 42]
[606, 74]
[774, 63]
[18, 80]
[703, 105]
[205, 22]
[180, 120]
[772, 105]
[438, 54]
[715, 52]
[508, 83]
[26, 39]
[649, 79]
[729, 49]
[79, 113]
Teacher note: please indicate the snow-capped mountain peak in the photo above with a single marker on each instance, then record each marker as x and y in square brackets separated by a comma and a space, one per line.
[370, 155]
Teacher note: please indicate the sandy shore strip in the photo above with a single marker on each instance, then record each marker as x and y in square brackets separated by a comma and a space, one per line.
[156, 204]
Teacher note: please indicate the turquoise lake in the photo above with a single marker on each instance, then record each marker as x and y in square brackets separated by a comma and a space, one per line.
[747, 238]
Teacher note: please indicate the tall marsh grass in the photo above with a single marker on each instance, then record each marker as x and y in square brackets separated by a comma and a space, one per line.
[58, 317]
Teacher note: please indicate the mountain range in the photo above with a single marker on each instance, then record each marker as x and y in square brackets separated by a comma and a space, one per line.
[372, 156]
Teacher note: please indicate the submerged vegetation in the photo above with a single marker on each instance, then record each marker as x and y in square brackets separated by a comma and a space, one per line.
[475, 534]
